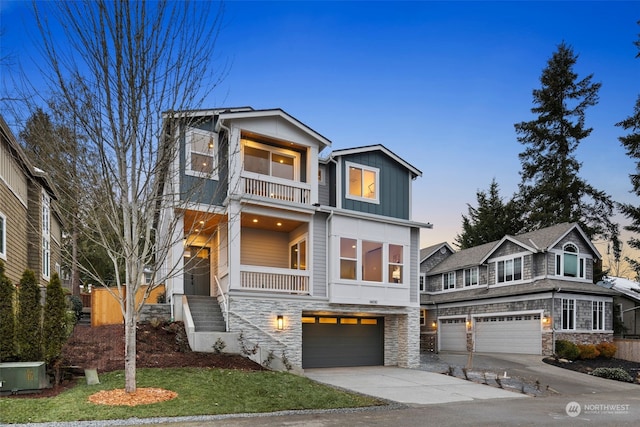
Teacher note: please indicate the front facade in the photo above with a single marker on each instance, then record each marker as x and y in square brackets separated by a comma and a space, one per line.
[30, 229]
[517, 295]
[313, 259]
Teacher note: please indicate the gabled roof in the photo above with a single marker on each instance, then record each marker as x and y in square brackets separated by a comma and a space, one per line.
[377, 147]
[431, 250]
[540, 240]
[248, 112]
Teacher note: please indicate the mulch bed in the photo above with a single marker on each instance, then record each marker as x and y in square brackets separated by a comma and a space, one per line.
[158, 346]
[588, 365]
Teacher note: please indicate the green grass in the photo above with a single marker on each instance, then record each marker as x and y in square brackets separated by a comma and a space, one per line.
[200, 392]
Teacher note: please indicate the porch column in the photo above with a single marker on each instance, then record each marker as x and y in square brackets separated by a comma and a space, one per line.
[233, 240]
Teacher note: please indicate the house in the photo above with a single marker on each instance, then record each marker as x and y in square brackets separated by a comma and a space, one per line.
[627, 304]
[30, 228]
[310, 259]
[517, 295]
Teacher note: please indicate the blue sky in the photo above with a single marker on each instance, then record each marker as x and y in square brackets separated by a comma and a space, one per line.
[439, 83]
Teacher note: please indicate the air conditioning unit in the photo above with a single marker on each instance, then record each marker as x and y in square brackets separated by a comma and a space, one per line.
[16, 377]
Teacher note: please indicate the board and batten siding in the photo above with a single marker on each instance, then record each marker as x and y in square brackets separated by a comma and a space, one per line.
[319, 264]
[264, 248]
[16, 234]
[394, 183]
[414, 266]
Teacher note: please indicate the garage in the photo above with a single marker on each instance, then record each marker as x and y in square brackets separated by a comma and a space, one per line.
[508, 334]
[453, 334]
[335, 341]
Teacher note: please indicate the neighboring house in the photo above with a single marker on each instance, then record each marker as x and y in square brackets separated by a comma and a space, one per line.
[627, 301]
[517, 295]
[313, 259]
[30, 229]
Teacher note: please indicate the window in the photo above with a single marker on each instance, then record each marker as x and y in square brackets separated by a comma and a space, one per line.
[269, 160]
[423, 282]
[569, 263]
[363, 183]
[449, 280]
[298, 255]
[471, 276]
[423, 317]
[200, 152]
[568, 314]
[371, 261]
[395, 264]
[46, 235]
[348, 258]
[509, 270]
[321, 175]
[597, 323]
[3, 236]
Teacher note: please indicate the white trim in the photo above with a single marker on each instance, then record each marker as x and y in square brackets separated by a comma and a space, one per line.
[509, 313]
[45, 229]
[573, 309]
[245, 142]
[376, 199]
[485, 301]
[423, 277]
[3, 237]
[189, 132]
[447, 275]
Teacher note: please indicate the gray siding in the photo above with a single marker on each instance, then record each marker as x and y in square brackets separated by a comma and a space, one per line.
[414, 283]
[394, 186]
[320, 274]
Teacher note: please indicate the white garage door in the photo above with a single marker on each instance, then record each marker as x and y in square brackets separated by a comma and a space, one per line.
[453, 334]
[508, 334]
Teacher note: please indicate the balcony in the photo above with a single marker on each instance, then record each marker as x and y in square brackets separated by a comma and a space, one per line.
[276, 189]
[280, 280]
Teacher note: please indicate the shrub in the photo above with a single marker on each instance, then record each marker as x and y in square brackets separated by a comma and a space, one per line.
[567, 350]
[54, 328]
[7, 317]
[617, 374]
[28, 320]
[76, 305]
[607, 349]
[588, 351]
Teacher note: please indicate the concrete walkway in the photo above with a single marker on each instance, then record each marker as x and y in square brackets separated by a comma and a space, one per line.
[407, 386]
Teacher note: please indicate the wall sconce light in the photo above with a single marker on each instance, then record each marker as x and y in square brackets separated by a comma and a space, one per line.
[468, 324]
[546, 320]
[434, 325]
[280, 322]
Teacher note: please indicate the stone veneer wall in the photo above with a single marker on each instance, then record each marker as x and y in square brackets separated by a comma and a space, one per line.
[155, 311]
[256, 317]
[585, 337]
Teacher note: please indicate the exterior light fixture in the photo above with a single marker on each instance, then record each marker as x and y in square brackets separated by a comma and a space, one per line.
[434, 325]
[280, 322]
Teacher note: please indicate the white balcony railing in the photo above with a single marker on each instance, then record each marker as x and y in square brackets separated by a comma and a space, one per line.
[274, 280]
[279, 189]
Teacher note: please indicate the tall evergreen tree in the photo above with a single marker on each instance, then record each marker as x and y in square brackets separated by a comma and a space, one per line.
[491, 220]
[7, 317]
[551, 190]
[29, 318]
[54, 326]
[631, 143]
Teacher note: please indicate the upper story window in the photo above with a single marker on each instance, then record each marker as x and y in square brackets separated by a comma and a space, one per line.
[201, 149]
[46, 235]
[570, 263]
[423, 282]
[509, 270]
[269, 160]
[449, 280]
[371, 261]
[3, 236]
[321, 175]
[363, 182]
[471, 276]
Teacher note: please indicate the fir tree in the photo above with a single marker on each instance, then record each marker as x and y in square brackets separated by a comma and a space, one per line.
[491, 220]
[29, 318]
[551, 190]
[7, 317]
[631, 143]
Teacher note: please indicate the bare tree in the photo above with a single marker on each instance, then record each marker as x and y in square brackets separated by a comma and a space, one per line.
[117, 65]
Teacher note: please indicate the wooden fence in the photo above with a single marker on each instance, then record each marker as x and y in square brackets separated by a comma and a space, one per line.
[105, 308]
[627, 349]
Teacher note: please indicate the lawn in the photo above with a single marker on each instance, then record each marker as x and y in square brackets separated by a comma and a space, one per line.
[201, 391]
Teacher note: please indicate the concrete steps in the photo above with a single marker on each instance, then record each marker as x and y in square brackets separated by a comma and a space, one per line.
[206, 314]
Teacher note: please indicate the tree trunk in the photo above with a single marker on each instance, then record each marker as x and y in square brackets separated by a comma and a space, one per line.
[130, 342]
[75, 270]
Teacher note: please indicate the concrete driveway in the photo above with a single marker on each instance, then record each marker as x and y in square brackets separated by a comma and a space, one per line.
[407, 386]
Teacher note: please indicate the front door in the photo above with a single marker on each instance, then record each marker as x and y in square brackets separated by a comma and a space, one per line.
[197, 271]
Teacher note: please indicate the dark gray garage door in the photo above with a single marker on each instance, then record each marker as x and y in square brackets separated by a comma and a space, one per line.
[333, 341]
